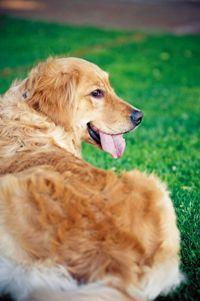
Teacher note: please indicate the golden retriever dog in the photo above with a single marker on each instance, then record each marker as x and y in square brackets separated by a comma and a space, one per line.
[70, 231]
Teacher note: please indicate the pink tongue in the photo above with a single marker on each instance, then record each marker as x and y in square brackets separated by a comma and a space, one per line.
[113, 144]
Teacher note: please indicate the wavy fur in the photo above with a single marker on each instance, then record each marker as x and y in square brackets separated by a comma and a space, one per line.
[70, 231]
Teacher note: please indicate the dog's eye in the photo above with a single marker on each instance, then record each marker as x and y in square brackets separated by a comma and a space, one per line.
[97, 93]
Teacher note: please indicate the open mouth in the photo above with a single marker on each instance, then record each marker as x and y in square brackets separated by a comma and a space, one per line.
[113, 144]
[94, 133]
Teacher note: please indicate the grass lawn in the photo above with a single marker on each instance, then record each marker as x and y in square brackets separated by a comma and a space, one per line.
[160, 74]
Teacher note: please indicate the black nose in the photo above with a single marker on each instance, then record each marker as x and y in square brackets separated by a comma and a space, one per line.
[136, 117]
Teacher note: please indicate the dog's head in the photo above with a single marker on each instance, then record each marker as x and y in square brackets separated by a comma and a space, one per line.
[77, 95]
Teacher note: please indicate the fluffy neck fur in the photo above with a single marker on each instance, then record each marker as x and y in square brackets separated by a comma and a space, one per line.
[17, 109]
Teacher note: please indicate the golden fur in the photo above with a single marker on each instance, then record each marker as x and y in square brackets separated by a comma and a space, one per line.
[57, 210]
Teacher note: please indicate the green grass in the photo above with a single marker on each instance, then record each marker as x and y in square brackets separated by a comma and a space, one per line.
[159, 74]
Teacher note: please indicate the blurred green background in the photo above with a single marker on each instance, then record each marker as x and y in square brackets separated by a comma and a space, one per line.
[159, 74]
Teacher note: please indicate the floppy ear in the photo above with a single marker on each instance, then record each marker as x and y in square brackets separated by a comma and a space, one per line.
[52, 91]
